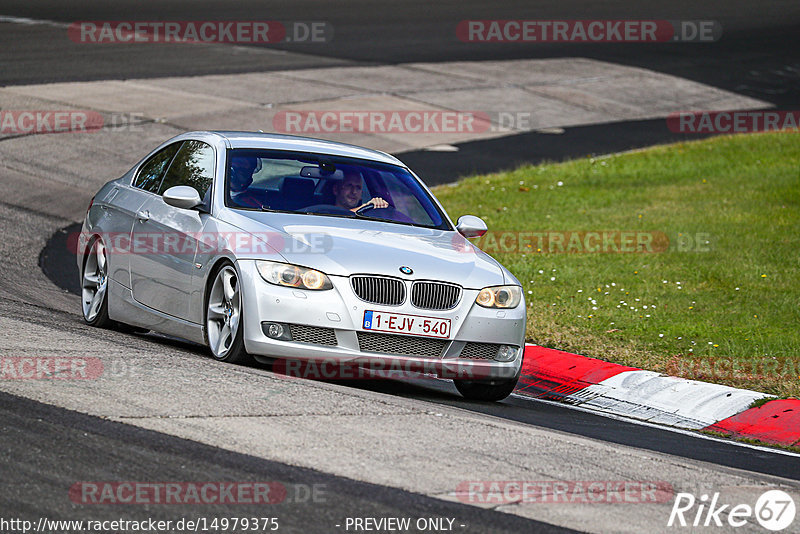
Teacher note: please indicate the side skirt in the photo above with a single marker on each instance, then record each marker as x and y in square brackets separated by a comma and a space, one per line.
[122, 307]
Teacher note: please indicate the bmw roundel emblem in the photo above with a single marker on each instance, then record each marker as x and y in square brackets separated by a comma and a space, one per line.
[406, 270]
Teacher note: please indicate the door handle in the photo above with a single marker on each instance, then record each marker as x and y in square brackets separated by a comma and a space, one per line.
[143, 216]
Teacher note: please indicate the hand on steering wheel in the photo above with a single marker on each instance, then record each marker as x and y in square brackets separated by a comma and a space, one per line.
[376, 202]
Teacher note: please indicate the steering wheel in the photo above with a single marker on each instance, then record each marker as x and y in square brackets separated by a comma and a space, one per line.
[391, 214]
[369, 205]
[366, 207]
[326, 209]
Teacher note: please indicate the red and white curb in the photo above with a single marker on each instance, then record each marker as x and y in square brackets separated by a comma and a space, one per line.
[648, 396]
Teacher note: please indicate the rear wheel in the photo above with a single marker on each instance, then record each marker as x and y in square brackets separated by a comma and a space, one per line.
[94, 286]
[487, 390]
[224, 330]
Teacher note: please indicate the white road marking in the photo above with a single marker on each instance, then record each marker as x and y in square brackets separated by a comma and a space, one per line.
[33, 22]
[668, 400]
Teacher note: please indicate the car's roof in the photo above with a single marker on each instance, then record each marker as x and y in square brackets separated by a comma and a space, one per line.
[305, 144]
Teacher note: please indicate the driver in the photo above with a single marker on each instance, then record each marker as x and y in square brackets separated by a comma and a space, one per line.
[348, 193]
[240, 178]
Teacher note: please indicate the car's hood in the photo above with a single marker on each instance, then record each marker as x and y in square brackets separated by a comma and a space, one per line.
[345, 246]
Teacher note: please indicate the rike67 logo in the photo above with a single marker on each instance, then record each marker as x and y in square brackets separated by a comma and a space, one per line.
[774, 510]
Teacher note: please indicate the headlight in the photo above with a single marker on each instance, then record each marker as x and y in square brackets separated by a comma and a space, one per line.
[285, 274]
[499, 297]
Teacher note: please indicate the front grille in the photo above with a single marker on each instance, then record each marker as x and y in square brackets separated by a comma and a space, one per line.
[404, 345]
[479, 351]
[435, 295]
[313, 334]
[379, 290]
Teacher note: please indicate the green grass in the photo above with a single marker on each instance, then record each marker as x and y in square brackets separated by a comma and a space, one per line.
[725, 309]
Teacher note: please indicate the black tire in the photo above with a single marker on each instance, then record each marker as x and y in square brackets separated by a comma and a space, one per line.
[234, 352]
[487, 390]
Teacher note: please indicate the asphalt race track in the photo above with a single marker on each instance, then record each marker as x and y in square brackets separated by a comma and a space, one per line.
[163, 411]
[92, 441]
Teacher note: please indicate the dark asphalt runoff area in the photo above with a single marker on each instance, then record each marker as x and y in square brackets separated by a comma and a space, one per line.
[48, 450]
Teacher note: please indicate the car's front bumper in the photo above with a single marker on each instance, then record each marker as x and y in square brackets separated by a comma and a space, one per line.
[334, 331]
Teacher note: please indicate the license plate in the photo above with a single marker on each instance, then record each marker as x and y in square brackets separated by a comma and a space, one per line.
[415, 325]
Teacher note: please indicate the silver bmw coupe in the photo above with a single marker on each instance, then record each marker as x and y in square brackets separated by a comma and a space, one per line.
[290, 249]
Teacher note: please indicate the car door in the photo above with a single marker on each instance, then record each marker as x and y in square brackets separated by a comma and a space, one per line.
[123, 202]
[165, 238]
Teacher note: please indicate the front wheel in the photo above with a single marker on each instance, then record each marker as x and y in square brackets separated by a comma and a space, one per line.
[224, 330]
[488, 390]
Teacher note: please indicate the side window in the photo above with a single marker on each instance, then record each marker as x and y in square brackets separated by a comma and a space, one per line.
[151, 172]
[193, 166]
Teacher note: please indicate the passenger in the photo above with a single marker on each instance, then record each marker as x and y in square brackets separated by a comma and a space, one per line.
[240, 177]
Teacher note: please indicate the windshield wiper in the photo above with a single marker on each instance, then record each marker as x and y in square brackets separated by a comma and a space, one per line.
[326, 214]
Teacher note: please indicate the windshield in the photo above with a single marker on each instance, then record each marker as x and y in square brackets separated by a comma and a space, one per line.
[321, 185]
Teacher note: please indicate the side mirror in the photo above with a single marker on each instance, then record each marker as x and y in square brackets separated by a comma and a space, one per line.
[182, 196]
[471, 226]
